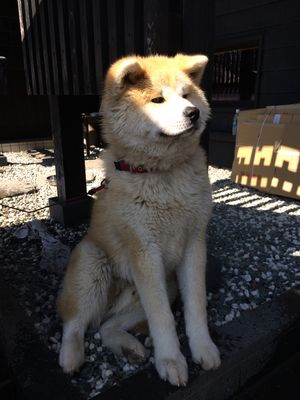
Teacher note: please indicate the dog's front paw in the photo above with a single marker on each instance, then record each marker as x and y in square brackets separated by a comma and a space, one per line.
[71, 358]
[173, 370]
[207, 355]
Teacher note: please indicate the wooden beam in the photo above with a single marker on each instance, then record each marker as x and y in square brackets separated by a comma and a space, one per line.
[72, 204]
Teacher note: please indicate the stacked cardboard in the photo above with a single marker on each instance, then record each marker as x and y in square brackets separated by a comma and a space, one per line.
[267, 153]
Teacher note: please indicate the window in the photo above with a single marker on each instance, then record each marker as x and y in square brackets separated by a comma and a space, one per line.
[235, 74]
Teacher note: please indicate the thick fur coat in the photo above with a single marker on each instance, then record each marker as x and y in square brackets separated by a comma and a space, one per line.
[147, 230]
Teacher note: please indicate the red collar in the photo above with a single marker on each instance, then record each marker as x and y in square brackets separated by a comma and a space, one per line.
[122, 165]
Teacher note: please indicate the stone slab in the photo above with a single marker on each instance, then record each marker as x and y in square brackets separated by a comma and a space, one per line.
[247, 345]
[14, 187]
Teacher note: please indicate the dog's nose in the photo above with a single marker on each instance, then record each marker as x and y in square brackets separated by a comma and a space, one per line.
[192, 113]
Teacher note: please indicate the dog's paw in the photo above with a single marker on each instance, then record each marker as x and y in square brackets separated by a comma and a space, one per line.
[173, 370]
[135, 352]
[71, 358]
[207, 355]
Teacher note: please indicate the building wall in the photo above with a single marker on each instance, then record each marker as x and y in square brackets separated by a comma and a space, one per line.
[275, 26]
[22, 117]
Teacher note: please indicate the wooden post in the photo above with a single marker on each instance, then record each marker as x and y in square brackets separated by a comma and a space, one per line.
[72, 205]
[3, 75]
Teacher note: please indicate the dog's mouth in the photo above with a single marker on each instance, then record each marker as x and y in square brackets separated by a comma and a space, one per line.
[179, 134]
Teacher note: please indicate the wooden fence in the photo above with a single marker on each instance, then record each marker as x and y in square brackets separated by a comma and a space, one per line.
[68, 44]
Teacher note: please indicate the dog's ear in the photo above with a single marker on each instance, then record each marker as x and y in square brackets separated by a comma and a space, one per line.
[126, 71]
[193, 66]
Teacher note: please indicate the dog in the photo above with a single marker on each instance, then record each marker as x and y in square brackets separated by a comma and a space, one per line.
[147, 234]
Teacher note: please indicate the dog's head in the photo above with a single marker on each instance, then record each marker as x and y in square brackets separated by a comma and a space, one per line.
[154, 100]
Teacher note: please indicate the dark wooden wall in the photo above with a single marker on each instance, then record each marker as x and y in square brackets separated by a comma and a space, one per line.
[273, 25]
[21, 117]
[68, 45]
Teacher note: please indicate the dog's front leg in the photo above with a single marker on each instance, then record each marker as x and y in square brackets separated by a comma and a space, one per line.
[149, 276]
[191, 280]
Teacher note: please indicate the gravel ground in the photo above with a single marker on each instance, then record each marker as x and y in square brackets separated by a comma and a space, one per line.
[255, 236]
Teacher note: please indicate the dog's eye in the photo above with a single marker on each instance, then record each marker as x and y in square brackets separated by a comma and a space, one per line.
[185, 96]
[158, 100]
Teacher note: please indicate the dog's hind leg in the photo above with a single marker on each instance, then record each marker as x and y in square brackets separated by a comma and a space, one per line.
[82, 301]
[125, 315]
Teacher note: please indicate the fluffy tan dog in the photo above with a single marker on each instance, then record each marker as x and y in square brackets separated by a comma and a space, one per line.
[148, 227]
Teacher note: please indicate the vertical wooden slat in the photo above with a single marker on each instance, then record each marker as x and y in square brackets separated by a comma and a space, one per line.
[28, 35]
[236, 72]
[112, 30]
[156, 26]
[227, 72]
[36, 36]
[73, 46]
[129, 27]
[53, 46]
[97, 44]
[62, 46]
[175, 27]
[85, 48]
[198, 34]
[24, 51]
[41, 12]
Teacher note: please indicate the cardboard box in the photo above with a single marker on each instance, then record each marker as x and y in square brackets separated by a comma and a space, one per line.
[267, 153]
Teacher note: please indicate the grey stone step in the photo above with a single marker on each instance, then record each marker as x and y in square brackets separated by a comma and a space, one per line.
[248, 345]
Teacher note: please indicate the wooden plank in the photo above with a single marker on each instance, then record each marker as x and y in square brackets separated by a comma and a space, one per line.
[44, 42]
[231, 6]
[282, 36]
[24, 50]
[73, 46]
[175, 13]
[28, 40]
[37, 46]
[252, 19]
[198, 37]
[62, 47]
[85, 62]
[284, 81]
[285, 58]
[97, 44]
[129, 27]
[267, 99]
[112, 30]
[156, 25]
[198, 26]
[53, 50]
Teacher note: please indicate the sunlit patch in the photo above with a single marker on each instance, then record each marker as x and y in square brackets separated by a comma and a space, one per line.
[287, 186]
[275, 182]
